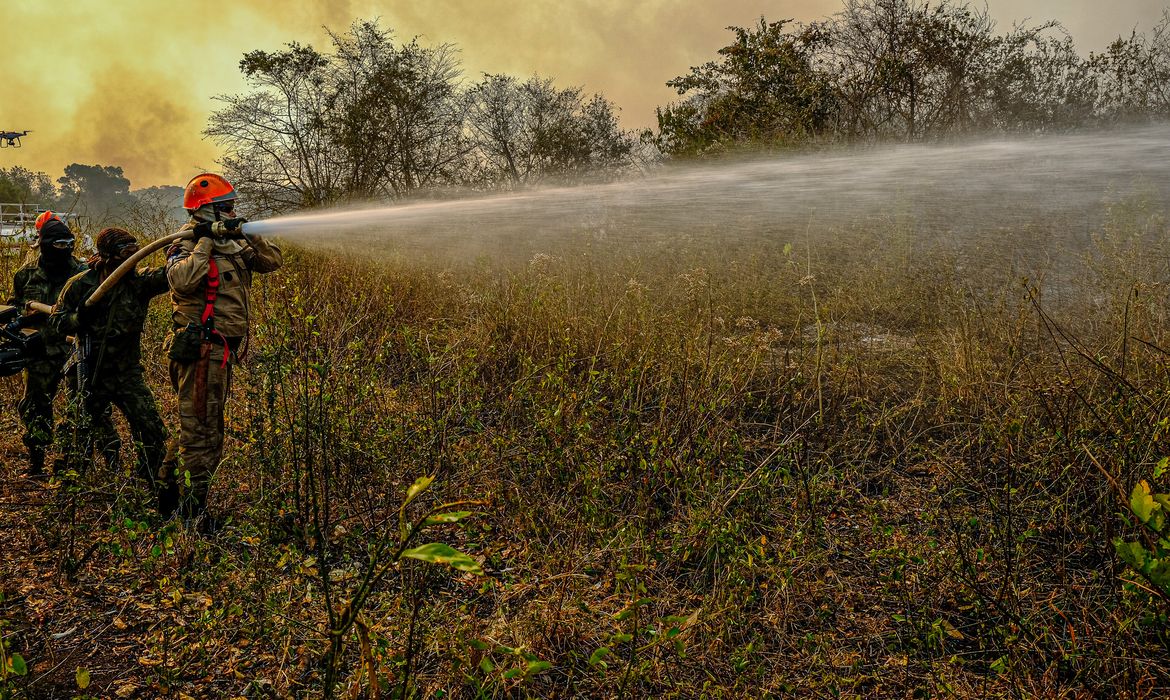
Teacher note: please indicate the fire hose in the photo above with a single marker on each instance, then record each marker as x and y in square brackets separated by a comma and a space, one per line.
[16, 342]
[131, 262]
[218, 230]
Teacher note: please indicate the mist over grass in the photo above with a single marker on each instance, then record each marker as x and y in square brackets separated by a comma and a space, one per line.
[1026, 207]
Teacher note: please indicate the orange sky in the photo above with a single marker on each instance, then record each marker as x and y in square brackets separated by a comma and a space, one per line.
[129, 82]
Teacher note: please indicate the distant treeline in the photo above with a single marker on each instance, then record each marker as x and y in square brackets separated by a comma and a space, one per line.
[100, 195]
[909, 70]
[80, 182]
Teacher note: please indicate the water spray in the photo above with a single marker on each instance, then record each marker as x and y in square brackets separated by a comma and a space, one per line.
[942, 192]
[944, 188]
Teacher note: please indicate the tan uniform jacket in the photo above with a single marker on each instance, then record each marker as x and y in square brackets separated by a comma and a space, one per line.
[187, 265]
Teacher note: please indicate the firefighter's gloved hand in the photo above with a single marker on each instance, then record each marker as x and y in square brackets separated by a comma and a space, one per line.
[235, 227]
[203, 229]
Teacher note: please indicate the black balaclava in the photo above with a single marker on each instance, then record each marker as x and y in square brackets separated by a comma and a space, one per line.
[56, 243]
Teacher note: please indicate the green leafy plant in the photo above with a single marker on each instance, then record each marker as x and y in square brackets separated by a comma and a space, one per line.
[12, 664]
[387, 554]
[1150, 556]
[503, 666]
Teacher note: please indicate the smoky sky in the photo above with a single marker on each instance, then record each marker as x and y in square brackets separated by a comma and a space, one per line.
[131, 82]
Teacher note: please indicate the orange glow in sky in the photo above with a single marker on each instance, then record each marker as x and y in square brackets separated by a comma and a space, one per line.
[131, 82]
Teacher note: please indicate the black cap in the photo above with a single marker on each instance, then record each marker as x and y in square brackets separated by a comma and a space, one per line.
[56, 231]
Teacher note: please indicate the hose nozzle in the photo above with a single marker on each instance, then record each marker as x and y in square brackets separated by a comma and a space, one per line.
[229, 228]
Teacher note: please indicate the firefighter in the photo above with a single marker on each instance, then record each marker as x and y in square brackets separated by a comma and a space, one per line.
[210, 277]
[109, 357]
[41, 281]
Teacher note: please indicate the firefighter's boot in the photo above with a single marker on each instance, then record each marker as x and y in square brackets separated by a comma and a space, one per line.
[36, 463]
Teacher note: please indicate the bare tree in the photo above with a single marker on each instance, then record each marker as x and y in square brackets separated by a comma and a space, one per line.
[1132, 75]
[1039, 82]
[370, 119]
[278, 148]
[908, 68]
[398, 112]
[530, 131]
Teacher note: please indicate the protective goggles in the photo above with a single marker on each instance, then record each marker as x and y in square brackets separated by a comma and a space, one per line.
[127, 248]
[224, 207]
[63, 244]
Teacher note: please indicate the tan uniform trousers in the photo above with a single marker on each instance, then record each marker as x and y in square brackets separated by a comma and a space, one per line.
[201, 408]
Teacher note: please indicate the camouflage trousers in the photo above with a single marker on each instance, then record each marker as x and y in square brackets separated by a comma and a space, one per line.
[202, 387]
[92, 428]
[42, 379]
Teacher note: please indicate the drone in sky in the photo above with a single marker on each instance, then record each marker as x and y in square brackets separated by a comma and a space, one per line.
[11, 139]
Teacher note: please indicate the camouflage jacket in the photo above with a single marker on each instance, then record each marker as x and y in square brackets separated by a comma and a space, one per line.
[187, 267]
[36, 283]
[114, 327]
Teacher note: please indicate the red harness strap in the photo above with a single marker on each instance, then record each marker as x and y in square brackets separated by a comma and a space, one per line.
[208, 317]
[212, 291]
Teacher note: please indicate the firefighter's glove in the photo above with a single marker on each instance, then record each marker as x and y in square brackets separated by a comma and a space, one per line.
[234, 227]
[204, 229]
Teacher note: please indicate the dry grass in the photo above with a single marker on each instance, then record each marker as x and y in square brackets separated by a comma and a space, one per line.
[856, 466]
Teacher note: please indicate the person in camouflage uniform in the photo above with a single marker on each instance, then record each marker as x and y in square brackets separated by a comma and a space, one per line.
[110, 335]
[210, 277]
[41, 281]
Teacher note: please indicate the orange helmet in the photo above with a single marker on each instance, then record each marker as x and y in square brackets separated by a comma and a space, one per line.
[51, 229]
[44, 218]
[206, 189]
